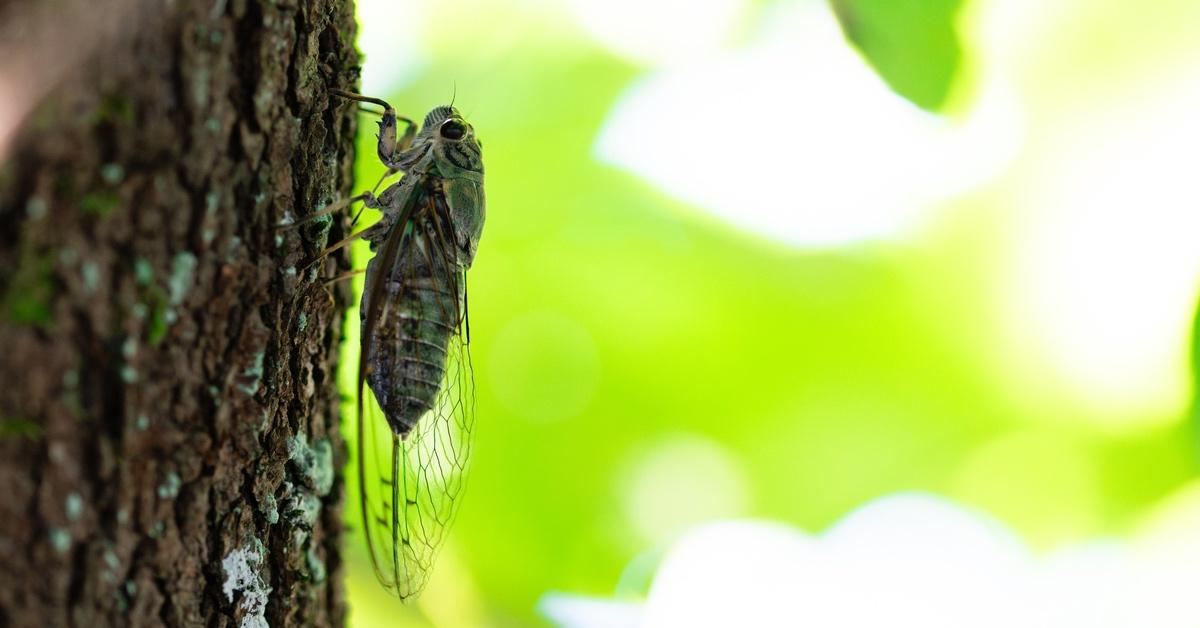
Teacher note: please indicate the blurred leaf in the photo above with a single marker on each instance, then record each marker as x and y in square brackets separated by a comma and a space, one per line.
[912, 44]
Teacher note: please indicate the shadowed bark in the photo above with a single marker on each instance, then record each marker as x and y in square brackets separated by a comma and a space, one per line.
[168, 410]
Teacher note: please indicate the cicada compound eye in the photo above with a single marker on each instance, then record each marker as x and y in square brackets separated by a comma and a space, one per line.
[453, 130]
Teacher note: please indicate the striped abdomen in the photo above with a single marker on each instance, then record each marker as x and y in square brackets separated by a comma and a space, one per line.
[407, 354]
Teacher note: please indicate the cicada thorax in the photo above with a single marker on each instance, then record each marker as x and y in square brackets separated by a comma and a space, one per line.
[422, 310]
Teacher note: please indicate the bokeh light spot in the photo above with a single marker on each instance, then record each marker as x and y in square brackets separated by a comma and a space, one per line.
[389, 36]
[683, 481]
[1105, 268]
[762, 566]
[796, 138]
[915, 559]
[658, 31]
[544, 367]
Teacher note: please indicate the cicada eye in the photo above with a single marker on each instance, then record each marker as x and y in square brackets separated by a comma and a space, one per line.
[453, 130]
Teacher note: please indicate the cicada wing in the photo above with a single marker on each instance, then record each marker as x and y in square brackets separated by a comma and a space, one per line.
[433, 463]
[378, 494]
[411, 483]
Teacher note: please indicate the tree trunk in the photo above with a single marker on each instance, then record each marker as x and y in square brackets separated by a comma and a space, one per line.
[169, 447]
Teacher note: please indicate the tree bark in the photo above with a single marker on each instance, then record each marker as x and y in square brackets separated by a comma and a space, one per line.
[169, 448]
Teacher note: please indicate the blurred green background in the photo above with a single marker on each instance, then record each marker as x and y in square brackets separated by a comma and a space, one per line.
[1003, 319]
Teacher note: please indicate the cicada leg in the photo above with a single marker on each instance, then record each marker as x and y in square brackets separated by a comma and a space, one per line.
[340, 277]
[386, 174]
[344, 276]
[389, 147]
[347, 241]
[367, 198]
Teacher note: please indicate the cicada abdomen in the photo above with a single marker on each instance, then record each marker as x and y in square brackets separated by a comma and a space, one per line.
[415, 381]
[422, 307]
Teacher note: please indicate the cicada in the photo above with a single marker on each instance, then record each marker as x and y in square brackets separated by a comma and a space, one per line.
[415, 383]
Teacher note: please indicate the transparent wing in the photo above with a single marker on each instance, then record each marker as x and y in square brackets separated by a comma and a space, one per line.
[411, 484]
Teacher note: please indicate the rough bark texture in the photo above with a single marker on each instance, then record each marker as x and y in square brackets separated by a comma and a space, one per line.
[168, 408]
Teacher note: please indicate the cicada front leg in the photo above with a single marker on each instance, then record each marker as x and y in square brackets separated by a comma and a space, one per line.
[389, 147]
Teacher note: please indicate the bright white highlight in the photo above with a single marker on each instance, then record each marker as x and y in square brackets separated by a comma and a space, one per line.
[583, 612]
[1107, 265]
[903, 561]
[389, 35]
[658, 31]
[796, 138]
[764, 567]
[914, 560]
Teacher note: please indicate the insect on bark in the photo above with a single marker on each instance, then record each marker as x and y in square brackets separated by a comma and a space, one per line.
[415, 382]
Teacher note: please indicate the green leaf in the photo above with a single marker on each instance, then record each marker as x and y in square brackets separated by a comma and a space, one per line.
[912, 44]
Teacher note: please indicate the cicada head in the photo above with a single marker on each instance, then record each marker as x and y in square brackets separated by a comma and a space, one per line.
[456, 149]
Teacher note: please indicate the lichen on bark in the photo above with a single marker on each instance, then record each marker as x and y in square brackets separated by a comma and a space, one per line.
[168, 414]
